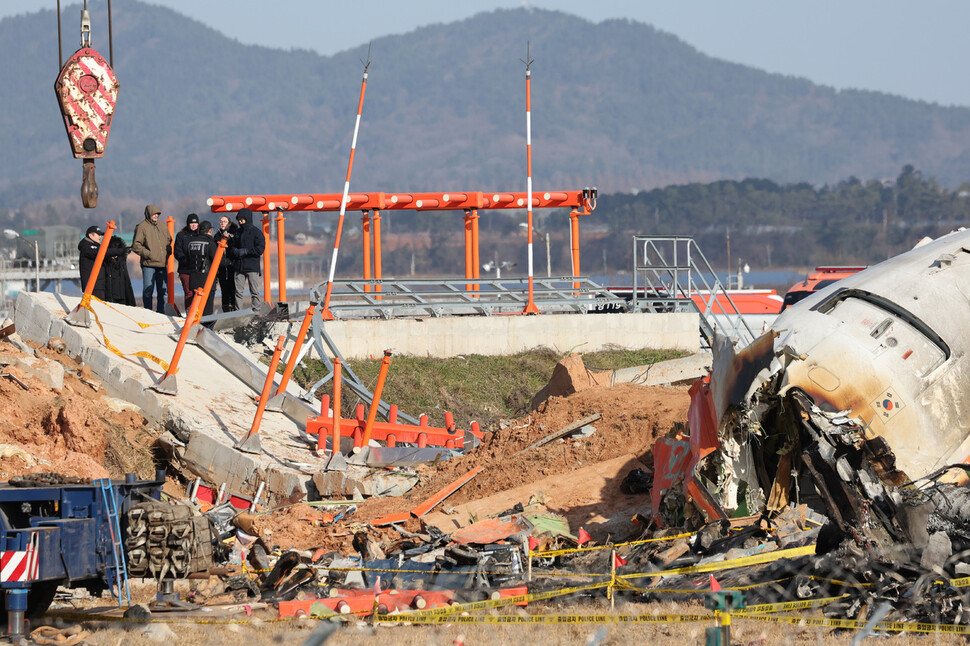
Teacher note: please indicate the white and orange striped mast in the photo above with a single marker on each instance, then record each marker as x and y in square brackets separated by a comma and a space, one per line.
[530, 306]
[325, 313]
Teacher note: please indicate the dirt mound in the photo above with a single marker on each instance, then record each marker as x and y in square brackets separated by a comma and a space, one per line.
[71, 430]
[633, 417]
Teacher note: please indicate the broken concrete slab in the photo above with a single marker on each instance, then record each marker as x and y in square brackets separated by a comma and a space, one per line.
[362, 481]
[212, 410]
[663, 373]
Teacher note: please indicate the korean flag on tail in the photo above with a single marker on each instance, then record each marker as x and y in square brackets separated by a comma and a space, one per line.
[887, 405]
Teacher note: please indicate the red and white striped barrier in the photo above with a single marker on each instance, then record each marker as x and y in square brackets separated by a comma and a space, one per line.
[20, 566]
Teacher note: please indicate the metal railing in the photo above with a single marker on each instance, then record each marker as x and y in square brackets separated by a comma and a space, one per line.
[671, 274]
[436, 297]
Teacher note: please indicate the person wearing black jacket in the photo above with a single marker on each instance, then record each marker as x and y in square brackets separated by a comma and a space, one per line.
[201, 253]
[247, 251]
[88, 253]
[181, 252]
[117, 282]
[227, 281]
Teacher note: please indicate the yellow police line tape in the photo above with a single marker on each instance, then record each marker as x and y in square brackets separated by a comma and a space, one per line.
[574, 550]
[820, 622]
[855, 624]
[549, 619]
[108, 344]
[718, 566]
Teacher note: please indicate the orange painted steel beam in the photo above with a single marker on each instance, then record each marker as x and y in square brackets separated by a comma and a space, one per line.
[376, 399]
[468, 249]
[267, 292]
[476, 264]
[195, 310]
[431, 502]
[281, 255]
[297, 346]
[390, 432]
[267, 387]
[335, 421]
[434, 201]
[365, 234]
[377, 249]
[98, 261]
[170, 263]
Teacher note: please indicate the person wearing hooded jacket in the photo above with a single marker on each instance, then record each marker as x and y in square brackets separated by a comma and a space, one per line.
[153, 244]
[181, 252]
[247, 251]
[87, 253]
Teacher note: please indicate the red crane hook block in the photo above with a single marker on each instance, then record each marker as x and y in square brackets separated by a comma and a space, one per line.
[87, 91]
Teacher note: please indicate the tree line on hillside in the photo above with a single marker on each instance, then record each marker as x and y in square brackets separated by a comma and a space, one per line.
[765, 224]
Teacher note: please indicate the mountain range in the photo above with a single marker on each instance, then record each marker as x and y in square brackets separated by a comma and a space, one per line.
[617, 104]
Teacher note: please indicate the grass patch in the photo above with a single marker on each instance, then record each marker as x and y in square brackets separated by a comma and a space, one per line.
[485, 389]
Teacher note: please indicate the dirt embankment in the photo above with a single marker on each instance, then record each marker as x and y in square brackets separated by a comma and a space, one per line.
[73, 430]
[633, 417]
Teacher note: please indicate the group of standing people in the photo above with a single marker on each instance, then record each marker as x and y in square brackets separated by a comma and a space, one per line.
[194, 249]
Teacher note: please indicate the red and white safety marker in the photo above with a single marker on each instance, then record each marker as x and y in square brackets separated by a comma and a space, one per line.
[20, 566]
[325, 312]
[530, 306]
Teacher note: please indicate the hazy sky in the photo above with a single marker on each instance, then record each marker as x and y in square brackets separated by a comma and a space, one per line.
[911, 49]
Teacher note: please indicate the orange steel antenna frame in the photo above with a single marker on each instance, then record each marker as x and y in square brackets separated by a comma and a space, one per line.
[581, 202]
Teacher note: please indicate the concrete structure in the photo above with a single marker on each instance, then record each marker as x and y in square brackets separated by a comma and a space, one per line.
[496, 335]
[219, 381]
[213, 407]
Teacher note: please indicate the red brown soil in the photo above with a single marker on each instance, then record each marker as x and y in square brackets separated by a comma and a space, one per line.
[64, 431]
[633, 417]
[303, 526]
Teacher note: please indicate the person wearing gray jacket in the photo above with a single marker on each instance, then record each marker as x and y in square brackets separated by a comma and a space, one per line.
[153, 244]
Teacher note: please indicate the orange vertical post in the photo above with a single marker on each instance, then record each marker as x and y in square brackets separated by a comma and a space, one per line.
[190, 319]
[267, 386]
[365, 234]
[210, 280]
[195, 310]
[476, 262]
[574, 243]
[375, 402]
[468, 249]
[294, 353]
[377, 249]
[530, 306]
[96, 269]
[335, 430]
[281, 255]
[267, 293]
[170, 263]
[325, 313]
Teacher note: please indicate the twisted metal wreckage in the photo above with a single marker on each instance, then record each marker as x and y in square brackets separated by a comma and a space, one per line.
[854, 403]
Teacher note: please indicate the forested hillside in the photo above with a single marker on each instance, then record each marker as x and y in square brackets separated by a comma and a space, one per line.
[618, 104]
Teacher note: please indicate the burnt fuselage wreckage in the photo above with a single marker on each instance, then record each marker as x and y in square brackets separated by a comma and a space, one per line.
[854, 403]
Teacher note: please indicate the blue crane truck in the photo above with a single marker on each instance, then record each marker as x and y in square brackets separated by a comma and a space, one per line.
[57, 531]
